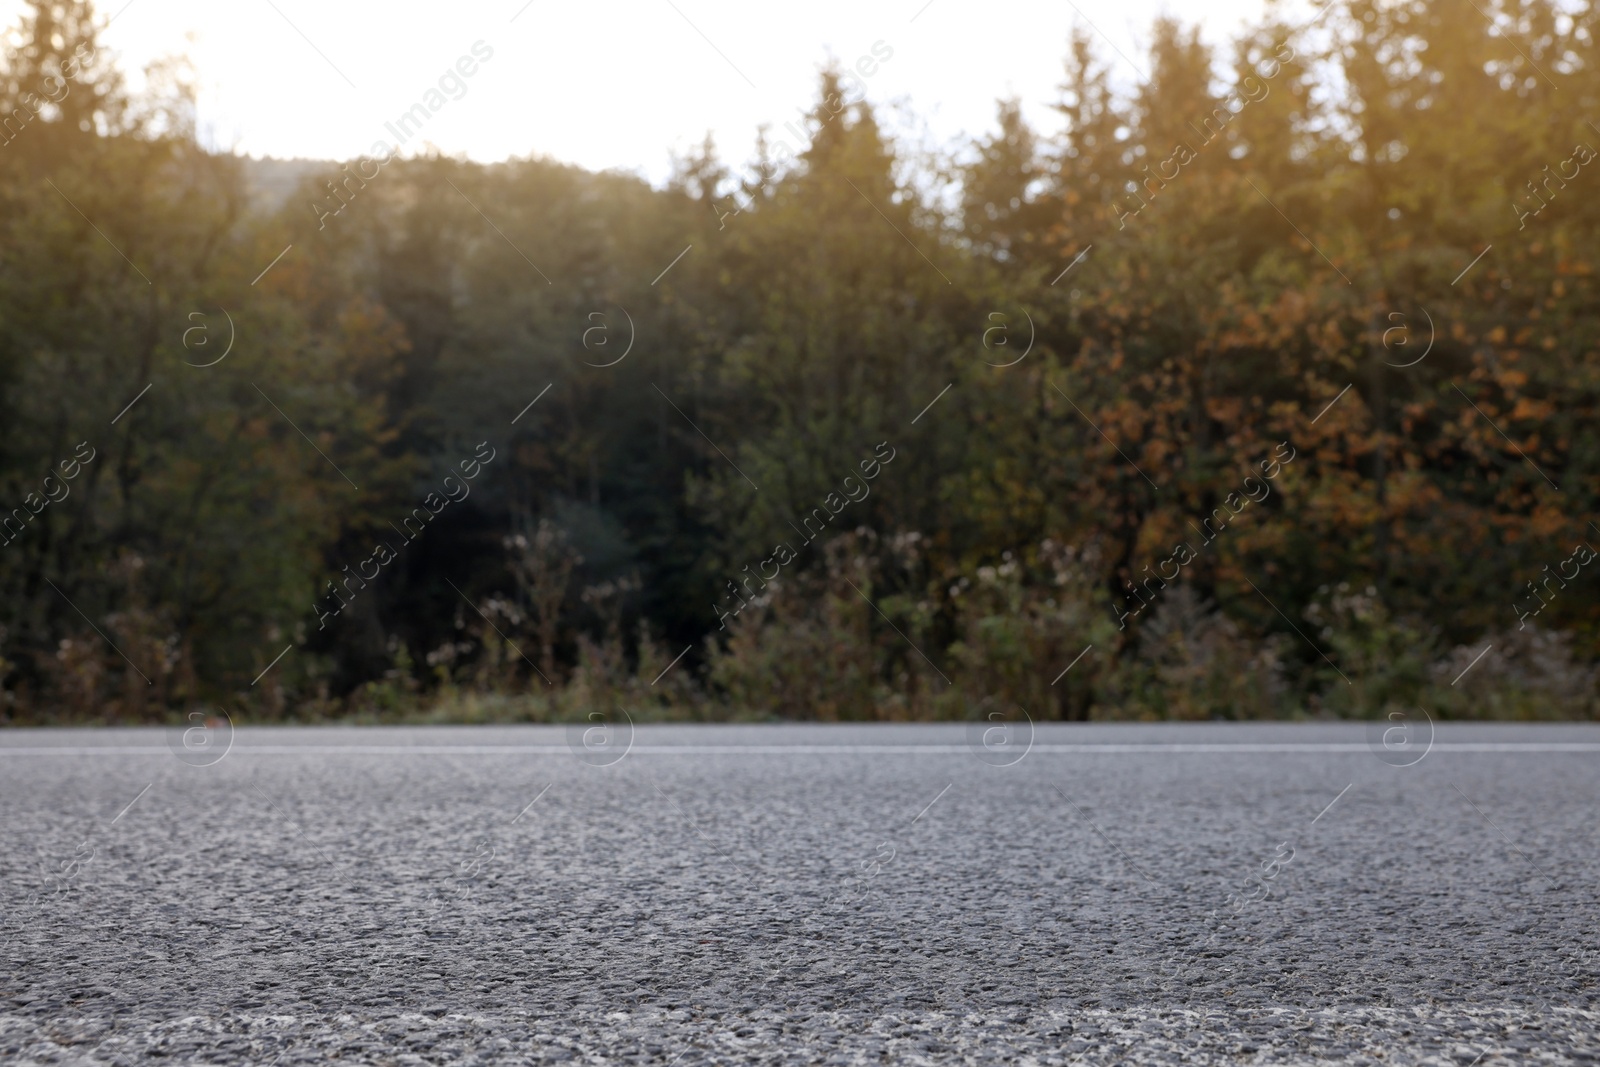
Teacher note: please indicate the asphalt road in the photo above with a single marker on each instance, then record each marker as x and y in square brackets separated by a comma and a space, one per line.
[801, 894]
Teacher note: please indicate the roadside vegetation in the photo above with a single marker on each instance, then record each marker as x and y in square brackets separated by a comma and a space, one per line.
[1369, 244]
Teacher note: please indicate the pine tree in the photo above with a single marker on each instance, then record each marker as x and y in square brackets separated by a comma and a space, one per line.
[58, 75]
[1001, 203]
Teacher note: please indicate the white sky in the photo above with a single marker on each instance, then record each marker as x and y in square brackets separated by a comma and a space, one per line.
[611, 83]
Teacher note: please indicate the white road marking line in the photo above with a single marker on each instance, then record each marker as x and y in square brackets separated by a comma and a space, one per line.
[1110, 749]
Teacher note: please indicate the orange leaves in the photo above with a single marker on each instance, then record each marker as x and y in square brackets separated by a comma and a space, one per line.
[1527, 408]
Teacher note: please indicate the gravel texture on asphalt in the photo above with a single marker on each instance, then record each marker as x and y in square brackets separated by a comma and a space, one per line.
[1207, 893]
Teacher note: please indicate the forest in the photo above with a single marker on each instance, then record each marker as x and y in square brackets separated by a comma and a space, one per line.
[1267, 389]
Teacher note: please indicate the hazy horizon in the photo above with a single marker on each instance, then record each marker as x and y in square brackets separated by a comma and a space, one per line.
[685, 69]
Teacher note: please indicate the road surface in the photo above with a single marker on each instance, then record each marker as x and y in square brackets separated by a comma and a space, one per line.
[1207, 893]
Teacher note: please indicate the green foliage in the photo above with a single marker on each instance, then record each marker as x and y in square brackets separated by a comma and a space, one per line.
[1331, 188]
